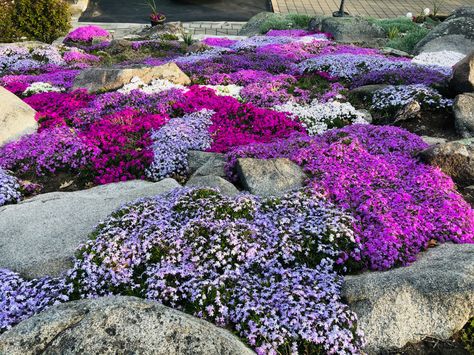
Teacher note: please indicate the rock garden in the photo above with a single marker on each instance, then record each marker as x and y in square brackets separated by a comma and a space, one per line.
[297, 191]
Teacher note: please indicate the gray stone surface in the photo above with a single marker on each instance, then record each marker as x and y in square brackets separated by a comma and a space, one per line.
[39, 236]
[463, 75]
[454, 158]
[456, 34]
[252, 27]
[316, 23]
[352, 29]
[272, 177]
[16, 117]
[118, 325]
[433, 140]
[223, 185]
[433, 297]
[463, 109]
[106, 79]
[206, 162]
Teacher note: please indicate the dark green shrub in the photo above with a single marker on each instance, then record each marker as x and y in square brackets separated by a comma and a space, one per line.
[42, 20]
[408, 42]
[467, 336]
[285, 22]
[8, 32]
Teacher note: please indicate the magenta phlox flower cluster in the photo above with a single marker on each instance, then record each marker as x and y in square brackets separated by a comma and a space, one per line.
[242, 262]
[18, 83]
[88, 34]
[399, 203]
[218, 42]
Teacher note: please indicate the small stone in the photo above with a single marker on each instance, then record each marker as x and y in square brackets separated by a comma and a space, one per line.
[118, 325]
[272, 177]
[463, 109]
[16, 117]
[198, 159]
[224, 186]
[366, 91]
[433, 140]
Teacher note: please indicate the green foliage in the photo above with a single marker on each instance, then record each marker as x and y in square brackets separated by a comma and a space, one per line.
[393, 32]
[408, 42]
[42, 20]
[187, 38]
[8, 32]
[402, 24]
[467, 336]
[285, 22]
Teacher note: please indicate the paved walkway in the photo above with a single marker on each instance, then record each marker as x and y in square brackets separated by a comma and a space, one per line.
[372, 8]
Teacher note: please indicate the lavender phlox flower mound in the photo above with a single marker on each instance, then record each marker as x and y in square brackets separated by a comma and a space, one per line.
[439, 58]
[318, 117]
[172, 142]
[351, 66]
[262, 267]
[396, 97]
[9, 190]
[20, 298]
[18, 59]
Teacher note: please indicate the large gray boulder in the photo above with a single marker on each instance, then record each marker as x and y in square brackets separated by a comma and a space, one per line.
[16, 117]
[118, 325]
[454, 158]
[39, 236]
[252, 27]
[106, 79]
[224, 186]
[352, 29]
[463, 75]
[433, 297]
[271, 177]
[463, 109]
[455, 34]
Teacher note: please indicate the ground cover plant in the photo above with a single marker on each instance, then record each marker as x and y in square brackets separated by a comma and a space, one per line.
[285, 94]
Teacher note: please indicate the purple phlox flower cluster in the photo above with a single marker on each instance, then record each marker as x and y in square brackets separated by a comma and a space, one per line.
[274, 91]
[263, 267]
[318, 117]
[79, 58]
[366, 69]
[201, 56]
[395, 97]
[172, 142]
[218, 42]
[20, 298]
[63, 79]
[399, 203]
[17, 59]
[47, 152]
[9, 190]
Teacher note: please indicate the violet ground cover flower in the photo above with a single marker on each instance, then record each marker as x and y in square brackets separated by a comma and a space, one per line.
[241, 262]
[399, 203]
[9, 190]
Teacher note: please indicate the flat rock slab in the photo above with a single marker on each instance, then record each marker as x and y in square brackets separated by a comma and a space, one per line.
[39, 236]
[433, 297]
[118, 325]
[463, 109]
[463, 75]
[106, 79]
[16, 117]
[271, 177]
